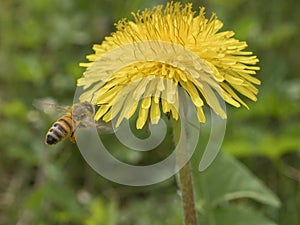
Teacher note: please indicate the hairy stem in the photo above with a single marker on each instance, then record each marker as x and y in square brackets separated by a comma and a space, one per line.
[185, 175]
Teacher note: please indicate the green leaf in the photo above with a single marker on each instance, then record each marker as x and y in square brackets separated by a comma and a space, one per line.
[102, 213]
[235, 215]
[227, 179]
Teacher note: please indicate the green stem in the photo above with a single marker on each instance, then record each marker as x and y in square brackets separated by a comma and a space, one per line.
[185, 176]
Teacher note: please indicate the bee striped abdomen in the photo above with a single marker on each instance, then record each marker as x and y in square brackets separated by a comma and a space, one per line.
[59, 130]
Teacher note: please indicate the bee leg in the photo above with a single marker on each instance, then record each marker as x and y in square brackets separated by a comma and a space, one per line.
[72, 137]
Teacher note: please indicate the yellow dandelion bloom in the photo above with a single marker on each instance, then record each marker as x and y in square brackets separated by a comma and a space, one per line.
[142, 65]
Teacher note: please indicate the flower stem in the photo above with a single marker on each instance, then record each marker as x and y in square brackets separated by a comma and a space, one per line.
[185, 176]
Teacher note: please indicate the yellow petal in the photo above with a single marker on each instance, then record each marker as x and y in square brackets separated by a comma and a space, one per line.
[245, 92]
[101, 111]
[192, 91]
[142, 118]
[200, 115]
[154, 112]
[233, 94]
[213, 101]
[165, 105]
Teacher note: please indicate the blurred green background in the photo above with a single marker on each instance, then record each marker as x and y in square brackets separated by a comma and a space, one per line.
[41, 45]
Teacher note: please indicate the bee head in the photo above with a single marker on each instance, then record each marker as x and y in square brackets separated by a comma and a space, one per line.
[89, 107]
[82, 110]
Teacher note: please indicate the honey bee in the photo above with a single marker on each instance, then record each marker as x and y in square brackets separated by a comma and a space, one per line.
[75, 116]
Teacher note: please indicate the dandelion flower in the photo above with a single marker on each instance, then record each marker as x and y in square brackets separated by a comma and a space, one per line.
[141, 66]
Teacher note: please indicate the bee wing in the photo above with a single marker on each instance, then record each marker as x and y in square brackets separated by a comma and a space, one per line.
[105, 128]
[49, 106]
[102, 127]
